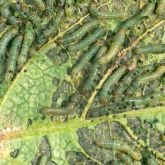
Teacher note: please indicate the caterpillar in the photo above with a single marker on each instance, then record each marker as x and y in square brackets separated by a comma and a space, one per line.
[27, 41]
[160, 10]
[93, 74]
[66, 110]
[63, 87]
[129, 77]
[85, 59]
[4, 40]
[150, 49]
[5, 12]
[51, 29]
[146, 79]
[111, 81]
[119, 146]
[119, 38]
[153, 97]
[39, 4]
[12, 57]
[81, 32]
[106, 14]
[89, 39]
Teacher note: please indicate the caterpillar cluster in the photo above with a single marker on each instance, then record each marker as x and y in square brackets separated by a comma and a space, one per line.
[121, 91]
[84, 35]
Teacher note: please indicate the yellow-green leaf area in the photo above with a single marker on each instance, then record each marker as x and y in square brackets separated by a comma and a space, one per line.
[30, 91]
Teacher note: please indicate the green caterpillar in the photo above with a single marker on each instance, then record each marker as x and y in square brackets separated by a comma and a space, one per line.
[93, 77]
[5, 12]
[141, 80]
[119, 146]
[66, 110]
[89, 39]
[63, 87]
[39, 4]
[111, 81]
[4, 40]
[150, 49]
[106, 14]
[81, 32]
[119, 38]
[129, 77]
[85, 59]
[153, 97]
[52, 28]
[27, 42]
[12, 58]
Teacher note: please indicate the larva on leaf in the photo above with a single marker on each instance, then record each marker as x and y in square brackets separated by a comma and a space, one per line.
[27, 42]
[141, 80]
[86, 41]
[81, 32]
[12, 57]
[119, 146]
[4, 40]
[151, 49]
[129, 77]
[106, 14]
[153, 97]
[94, 72]
[85, 59]
[109, 85]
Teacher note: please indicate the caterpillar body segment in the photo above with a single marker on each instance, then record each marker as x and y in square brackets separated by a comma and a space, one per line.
[66, 110]
[5, 13]
[53, 26]
[12, 57]
[115, 47]
[108, 86]
[119, 146]
[150, 49]
[81, 32]
[27, 42]
[51, 29]
[141, 80]
[4, 40]
[106, 14]
[129, 77]
[85, 59]
[153, 97]
[93, 77]
[89, 39]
